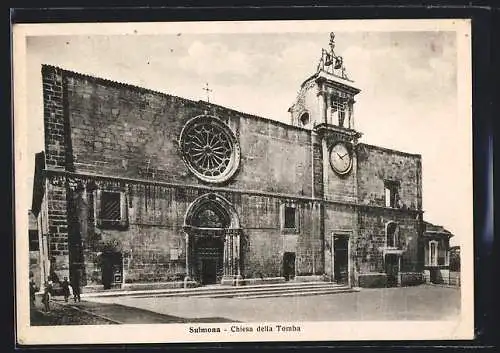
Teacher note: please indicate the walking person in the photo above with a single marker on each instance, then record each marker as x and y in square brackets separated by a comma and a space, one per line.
[65, 287]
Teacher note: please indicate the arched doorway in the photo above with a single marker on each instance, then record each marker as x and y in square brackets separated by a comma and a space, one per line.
[212, 241]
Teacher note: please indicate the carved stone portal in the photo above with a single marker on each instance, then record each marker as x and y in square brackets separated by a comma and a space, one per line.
[213, 234]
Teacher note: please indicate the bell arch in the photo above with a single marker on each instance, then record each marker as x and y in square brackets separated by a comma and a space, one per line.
[213, 240]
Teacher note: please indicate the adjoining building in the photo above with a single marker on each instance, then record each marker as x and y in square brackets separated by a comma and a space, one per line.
[437, 254]
[34, 250]
[137, 186]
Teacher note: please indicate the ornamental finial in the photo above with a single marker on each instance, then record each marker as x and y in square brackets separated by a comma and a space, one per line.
[332, 40]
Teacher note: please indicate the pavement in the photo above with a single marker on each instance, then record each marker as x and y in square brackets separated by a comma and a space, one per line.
[94, 313]
[408, 303]
[61, 314]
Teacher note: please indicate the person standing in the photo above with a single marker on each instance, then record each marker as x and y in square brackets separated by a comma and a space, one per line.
[33, 290]
[65, 288]
[75, 284]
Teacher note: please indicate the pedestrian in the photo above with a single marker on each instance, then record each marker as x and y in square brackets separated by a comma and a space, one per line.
[70, 289]
[46, 296]
[33, 290]
[65, 289]
[75, 285]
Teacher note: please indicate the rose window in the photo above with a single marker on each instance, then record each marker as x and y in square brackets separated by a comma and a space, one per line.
[209, 148]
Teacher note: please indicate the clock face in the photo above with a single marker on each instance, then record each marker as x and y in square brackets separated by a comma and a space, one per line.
[340, 158]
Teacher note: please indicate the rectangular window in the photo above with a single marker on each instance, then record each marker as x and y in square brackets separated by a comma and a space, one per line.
[338, 111]
[391, 193]
[110, 206]
[112, 209]
[289, 218]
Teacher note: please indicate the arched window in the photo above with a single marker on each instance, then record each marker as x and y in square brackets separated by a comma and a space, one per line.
[304, 119]
[392, 234]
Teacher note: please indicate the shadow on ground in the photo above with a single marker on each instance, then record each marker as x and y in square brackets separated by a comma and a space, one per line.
[91, 313]
[63, 315]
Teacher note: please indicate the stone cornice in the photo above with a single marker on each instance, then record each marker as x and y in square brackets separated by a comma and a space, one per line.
[330, 129]
[75, 181]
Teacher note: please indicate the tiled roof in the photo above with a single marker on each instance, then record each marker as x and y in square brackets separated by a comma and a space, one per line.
[436, 229]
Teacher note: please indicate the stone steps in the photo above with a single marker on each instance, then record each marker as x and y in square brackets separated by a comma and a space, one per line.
[227, 292]
[302, 293]
[218, 291]
[278, 292]
[269, 290]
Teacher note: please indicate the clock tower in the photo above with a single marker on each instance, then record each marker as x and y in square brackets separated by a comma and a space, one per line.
[325, 105]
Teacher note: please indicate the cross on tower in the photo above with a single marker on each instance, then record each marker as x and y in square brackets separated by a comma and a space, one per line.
[208, 90]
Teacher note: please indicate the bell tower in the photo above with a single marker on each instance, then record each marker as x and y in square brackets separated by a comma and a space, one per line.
[325, 101]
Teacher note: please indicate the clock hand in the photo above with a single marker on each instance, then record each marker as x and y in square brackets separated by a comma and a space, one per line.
[344, 155]
[339, 155]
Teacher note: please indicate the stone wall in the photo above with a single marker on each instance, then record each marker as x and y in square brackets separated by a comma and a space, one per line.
[131, 132]
[338, 218]
[376, 164]
[56, 154]
[372, 239]
[123, 131]
[155, 233]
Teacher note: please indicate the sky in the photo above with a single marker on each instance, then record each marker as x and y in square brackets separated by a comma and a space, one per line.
[408, 79]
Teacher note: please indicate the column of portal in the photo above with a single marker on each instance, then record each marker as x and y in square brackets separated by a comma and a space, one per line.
[238, 253]
[188, 272]
[235, 254]
[231, 254]
[226, 254]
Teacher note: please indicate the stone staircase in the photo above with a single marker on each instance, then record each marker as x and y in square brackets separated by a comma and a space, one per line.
[248, 291]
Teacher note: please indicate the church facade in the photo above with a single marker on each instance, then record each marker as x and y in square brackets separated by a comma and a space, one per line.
[136, 186]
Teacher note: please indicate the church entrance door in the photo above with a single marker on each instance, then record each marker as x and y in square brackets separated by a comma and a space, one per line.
[209, 254]
[213, 247]
[209, 271]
